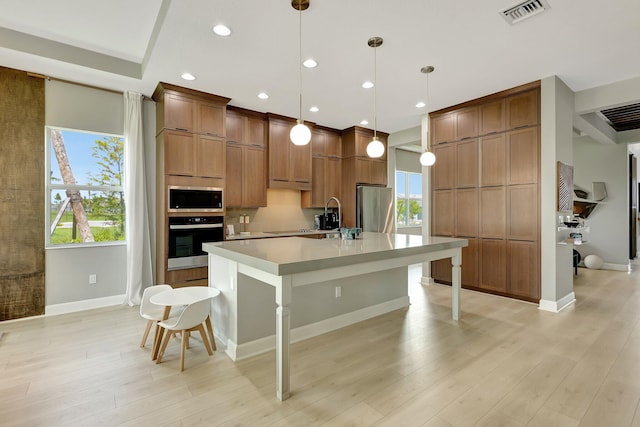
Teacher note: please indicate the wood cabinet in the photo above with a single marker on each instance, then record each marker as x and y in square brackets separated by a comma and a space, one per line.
[246, 159]
[523, 153]
[358, 168]
[444, 171]
[485, 188]
[523, 109]
[189, 110]
[523, 212]
[326, 168]
[493, 212]
[493, 265]
[190, 151]
[289, 164]
[443, 213]
[194, 155]
[493, 160]
[455, 126]
[466, 208]
[492, 117]
[466, 170]
[523, 269]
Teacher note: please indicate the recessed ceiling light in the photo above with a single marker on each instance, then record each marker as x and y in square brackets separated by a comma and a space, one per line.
[314, 109]
[263, 95]
[188, 76]
[310, 63]
[421, 105]
[367, 84]
[222, 30]
[364, 122]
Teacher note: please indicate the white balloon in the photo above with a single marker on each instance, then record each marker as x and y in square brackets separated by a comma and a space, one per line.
[593, 261]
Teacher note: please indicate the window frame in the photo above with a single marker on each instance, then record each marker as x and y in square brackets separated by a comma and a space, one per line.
[49, 187]
[407, 199]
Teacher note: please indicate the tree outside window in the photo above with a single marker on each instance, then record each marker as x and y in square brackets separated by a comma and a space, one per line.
[408, 199]
[85, 187]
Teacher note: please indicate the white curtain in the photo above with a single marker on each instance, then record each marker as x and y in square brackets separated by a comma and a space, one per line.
[139, 270]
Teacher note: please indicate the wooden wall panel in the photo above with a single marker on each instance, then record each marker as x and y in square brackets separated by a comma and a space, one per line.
[21, 195]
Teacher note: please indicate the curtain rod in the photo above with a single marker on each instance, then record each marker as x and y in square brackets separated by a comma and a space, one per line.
[56, 79]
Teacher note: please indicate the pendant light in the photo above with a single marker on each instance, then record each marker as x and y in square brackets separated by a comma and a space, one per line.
[427, 158]
[375, 148]
[300, 134]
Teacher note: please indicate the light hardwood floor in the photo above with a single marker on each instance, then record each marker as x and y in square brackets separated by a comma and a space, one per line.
[505, 363]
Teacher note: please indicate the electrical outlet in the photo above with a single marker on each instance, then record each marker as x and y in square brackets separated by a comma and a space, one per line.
[338, 291]
[93, 279]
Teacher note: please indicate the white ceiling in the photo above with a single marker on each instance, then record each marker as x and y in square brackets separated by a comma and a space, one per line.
[132, 45]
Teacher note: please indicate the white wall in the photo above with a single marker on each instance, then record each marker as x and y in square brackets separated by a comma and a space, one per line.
[608, 223]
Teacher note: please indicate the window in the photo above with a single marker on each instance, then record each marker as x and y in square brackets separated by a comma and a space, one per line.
[84, 187]
[408, 199]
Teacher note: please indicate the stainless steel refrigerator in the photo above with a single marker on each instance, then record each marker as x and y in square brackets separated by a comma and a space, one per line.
[374, 208]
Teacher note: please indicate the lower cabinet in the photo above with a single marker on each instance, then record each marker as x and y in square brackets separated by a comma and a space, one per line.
[493, 262]
[524, 266]
[504, 267]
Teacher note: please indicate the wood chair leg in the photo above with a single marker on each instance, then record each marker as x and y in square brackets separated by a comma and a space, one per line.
[158, 340]
[212, 339]
[146, 333]
[203, 333]
[163, 347]
[183, 347]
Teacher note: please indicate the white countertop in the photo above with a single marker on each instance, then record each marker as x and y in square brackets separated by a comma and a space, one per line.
[290, 255]
[273, 234]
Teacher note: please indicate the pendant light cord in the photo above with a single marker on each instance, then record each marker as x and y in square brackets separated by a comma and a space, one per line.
[375, 90]
[428, 120]
[300, 61]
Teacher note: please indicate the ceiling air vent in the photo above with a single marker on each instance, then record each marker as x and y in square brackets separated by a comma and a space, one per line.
[524, 10]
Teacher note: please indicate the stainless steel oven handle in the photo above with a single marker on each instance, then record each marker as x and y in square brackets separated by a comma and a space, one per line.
[194, 226]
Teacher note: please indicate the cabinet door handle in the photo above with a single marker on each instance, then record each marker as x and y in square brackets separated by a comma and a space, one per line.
[183, 129]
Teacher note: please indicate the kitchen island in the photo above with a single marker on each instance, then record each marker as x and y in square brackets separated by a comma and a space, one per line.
[301, 272]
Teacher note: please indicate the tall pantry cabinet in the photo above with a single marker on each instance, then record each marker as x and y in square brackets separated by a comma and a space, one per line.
[485, 188]
[190, 151]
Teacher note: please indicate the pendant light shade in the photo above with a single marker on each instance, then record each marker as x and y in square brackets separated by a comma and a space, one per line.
[375, 148]
[427, 158]
[300, 134]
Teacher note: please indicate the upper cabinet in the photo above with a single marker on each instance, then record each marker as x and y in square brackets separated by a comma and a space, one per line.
[246, 182]
[189, 110]
[454, 126]
[523, 110]
[289, 164]
[246, 127]
[190, 131]
[326, 148]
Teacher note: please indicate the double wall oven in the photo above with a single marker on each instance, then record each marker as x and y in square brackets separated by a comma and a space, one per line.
[204, 222]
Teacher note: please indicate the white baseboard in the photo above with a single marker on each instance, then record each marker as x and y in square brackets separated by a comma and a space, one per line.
[427, 281]
[71, 307]
[616, 267]
[262, 345]
[557, 306]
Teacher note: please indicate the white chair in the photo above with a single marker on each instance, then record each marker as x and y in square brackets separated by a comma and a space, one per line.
[191, 319]
[152, 312]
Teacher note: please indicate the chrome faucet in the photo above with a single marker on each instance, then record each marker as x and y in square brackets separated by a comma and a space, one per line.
[326, 205]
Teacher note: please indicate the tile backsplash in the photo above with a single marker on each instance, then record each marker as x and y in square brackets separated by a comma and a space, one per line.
[283, 213]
